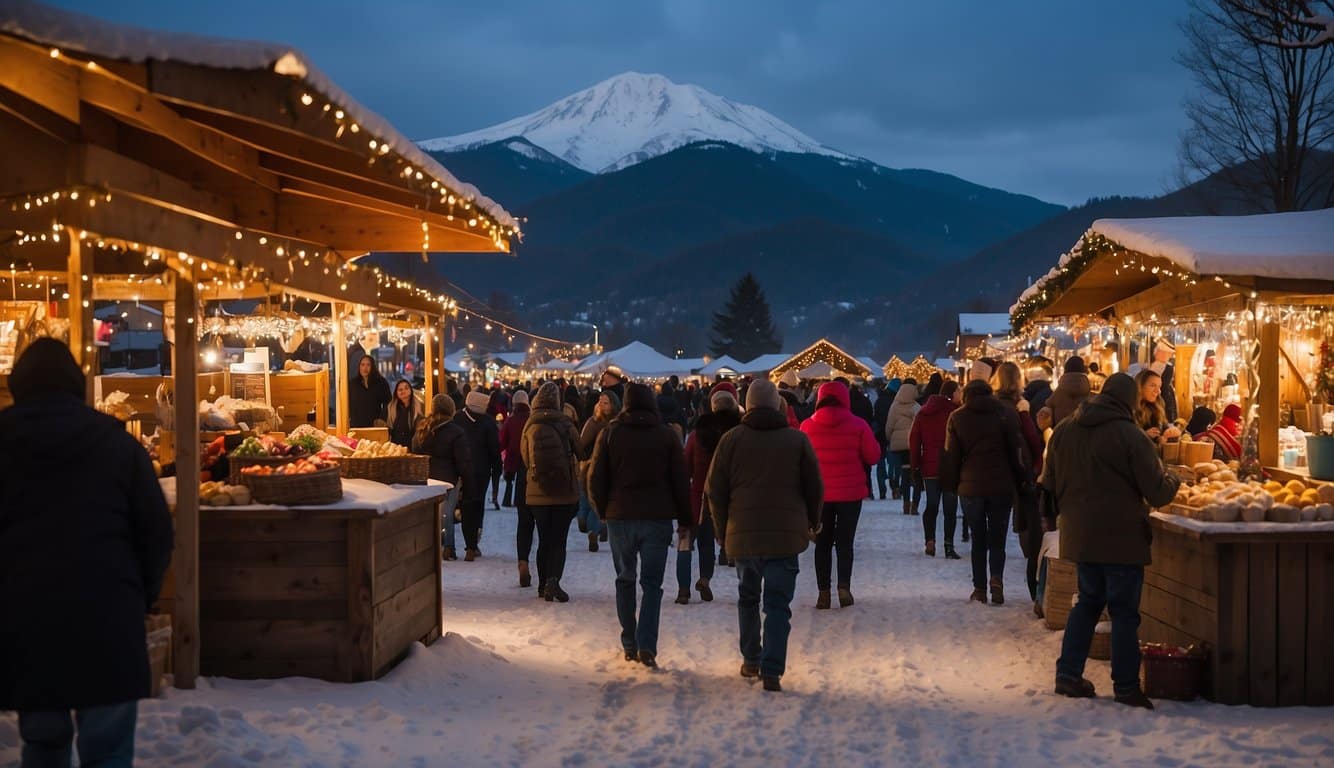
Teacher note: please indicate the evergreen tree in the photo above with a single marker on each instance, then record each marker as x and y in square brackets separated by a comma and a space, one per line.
[744, 328]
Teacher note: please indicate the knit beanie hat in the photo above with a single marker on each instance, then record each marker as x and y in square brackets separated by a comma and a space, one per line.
[724, 386]
[763, 394]
[519, 398]
[478, 401]
[1075, 365]
[444, 405]
[722, 400]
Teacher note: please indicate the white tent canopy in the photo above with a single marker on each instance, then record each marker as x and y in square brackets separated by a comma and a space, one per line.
[722, 365]
[555, 365]
[872, 364]
[1298, 245]
[456, 362]
[764, 363]
[636, 360]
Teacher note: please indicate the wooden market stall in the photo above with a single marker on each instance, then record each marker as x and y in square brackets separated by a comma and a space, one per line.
[159, 167]
[1244, 301]
[821, 360]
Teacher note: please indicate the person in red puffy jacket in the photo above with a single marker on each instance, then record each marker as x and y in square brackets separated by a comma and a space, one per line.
[844, 446]
[925, 442]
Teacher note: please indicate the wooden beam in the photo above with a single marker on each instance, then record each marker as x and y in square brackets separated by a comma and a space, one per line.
[440, 361]
[1171, 296]
[1268, 394]
[185, 362]
[428, 369]
[29, 71]
[103, 168]
[34, 163]
[359, 230]
[79, 285]
[37, 116]
[340, 369]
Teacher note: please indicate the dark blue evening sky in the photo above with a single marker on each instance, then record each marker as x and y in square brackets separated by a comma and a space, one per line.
[1062, 99]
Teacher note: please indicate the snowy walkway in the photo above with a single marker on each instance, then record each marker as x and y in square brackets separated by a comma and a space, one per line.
[911, 675]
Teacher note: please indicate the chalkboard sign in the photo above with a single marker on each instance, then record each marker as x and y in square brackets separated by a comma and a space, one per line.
[250, 386]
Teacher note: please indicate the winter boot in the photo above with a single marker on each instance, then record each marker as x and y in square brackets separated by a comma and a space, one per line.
[541, 590]
[525, 575]
[1074, 687]
[822, 601]
[648, 659]
[554, 592]
[592, 542]
[844, 597]
[448, 554]
[1135, 698]
[907, 505]
[997, 592]
[631, 654]
[750, 671]
[1037, 610]
[583, 524]
[683, 596]
[950, 554]
[930, 547]
[705, 593]
[980, 595]
[470, 555]
[771, 684]
[602, 535]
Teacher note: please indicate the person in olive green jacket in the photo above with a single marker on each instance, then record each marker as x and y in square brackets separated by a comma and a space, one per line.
[551, 453]
[765, 493]
[1104, 474]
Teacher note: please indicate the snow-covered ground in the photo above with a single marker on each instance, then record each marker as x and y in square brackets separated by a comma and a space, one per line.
[913, 674]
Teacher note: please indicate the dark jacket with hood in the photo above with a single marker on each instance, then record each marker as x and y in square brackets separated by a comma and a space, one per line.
[861, 407]
[447, 445]
[639, 468]
[1037, 393]
[984, 454]
[764, 488]
[1104, 474]
[85, 537]
[484, 450]
[670, 408]
[550, 450]
[1072, 389]
[880, 416]
[367, 400]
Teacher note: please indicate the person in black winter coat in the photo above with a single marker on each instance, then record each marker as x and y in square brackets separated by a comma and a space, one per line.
[446, 443]
[367, 395]
[879, 417]
[669, 407]
[932, 387]
[484, 448]
[85, 538]
[863, 409]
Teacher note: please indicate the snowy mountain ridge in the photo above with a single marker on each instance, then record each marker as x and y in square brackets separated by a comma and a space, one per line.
[633, 117]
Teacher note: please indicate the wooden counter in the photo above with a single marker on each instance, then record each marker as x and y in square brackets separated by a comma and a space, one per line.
[338, 593]
[1261, 595]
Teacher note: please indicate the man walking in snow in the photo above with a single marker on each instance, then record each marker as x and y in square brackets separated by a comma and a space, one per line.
[1101, 468]
[765, 493]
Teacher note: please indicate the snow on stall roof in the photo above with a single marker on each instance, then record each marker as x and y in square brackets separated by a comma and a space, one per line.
[1297, 245]
[637, 360]
[765, 363]
[71, 31]
[717, 365]
[984, 323]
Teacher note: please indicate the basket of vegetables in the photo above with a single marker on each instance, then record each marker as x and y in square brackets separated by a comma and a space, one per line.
[311, 480]
[385, 463]
[264, 451]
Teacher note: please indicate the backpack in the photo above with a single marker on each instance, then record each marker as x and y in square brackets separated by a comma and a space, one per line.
[554, 478]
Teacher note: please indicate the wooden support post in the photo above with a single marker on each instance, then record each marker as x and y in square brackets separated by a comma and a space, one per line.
[185, 364]
[343, 377]
[1268, 394]
[440, 362]
[81, 337]
[428, 368]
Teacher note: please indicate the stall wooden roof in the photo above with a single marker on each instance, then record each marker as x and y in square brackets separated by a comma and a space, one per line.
[1187, 265]
[242, 154]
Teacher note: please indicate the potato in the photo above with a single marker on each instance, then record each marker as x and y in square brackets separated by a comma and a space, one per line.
[1324, 511]
[1326, 494]
[1310, 513]
[1253, 514]
[1228, 513]
[1283, 513]
[1205, 468]
[220, 500]
[240, 495]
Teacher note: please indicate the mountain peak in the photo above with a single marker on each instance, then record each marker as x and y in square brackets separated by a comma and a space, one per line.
[632, 117]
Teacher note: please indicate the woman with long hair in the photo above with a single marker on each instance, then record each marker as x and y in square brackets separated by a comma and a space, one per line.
[404, 412]
[925, 442]
[1027, 516]
[1150, 413]
[723, 415]
[438, 437]
[845, 447]
[367, 395]
[604, 410]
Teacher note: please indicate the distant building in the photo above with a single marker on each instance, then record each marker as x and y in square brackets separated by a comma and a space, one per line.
[976, 331]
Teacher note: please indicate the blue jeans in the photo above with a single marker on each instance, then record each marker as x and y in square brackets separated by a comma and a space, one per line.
[642, 545]
[776, 580]
[882, 470]
[447, 518]
[989, 519]
[935, 495]
[703, 541]
[1116, 588]
[106, 736]
[587, 517]
[894, 465]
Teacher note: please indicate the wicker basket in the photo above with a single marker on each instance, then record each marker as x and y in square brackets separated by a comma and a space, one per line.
[408, 470]
[1174, 677]
[324, 486]
[235, 463]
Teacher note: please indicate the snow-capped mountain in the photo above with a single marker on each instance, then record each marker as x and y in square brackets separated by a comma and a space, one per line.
[634, 117]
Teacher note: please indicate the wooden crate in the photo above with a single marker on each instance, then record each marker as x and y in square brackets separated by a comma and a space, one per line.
[1260, 600]
[297, 393]
[339, 596]
[1062, 585]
